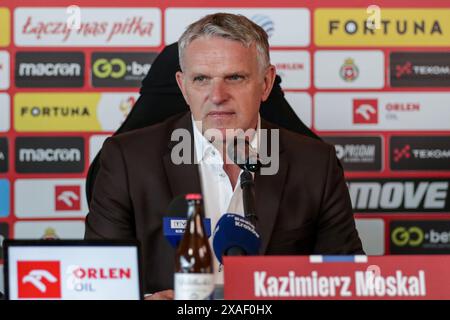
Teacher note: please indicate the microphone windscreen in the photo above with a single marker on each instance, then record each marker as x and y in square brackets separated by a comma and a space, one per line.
[233, 230]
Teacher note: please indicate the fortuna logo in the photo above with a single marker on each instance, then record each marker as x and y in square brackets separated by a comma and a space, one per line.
[50, 69]
[349, 71]
[49, 155]
[365, 111]
[387, 27]
[55, 111]
[67, 198]
[39, 279]
[423, 70]
[402, 153]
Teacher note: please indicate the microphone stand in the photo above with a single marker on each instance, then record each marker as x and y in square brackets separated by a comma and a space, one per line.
[248, 196]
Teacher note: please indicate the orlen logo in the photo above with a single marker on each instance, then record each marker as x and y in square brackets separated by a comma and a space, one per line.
[365, 111]
[67, 198]
[39, 279]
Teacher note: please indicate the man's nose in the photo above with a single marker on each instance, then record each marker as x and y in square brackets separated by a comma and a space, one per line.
[219, 93]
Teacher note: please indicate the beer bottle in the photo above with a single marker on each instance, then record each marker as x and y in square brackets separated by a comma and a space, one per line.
[194, 275]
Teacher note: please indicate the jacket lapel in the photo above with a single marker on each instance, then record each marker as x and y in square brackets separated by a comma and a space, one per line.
[268, 192]
[183, 178]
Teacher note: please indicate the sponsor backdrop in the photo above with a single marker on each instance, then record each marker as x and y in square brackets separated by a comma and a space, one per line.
[374, 82]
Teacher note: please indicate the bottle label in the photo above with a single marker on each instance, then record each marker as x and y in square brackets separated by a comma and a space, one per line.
[194, 286]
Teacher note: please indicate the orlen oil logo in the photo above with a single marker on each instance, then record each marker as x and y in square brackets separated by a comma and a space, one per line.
[85, 279]
[114, 69]
[39, 279]
[5, 23]
[393, 27]
[49, 69]
[420, 236]
[80, 112]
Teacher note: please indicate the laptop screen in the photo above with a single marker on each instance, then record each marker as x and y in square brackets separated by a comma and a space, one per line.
[72, 270]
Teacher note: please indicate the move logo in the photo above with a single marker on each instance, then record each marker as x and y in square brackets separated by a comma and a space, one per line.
[357, 153]
[4, 234]
[4, 155]
[39, 279]
[420, 237]
[50, 155]
[115, 69]
[420, 69]
[398, 27]
[49, 69]
[399, 195]
[420, 153]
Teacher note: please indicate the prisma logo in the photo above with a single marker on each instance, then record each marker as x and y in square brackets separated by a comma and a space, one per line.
[365, 111]
[67, 198]
[39, 279]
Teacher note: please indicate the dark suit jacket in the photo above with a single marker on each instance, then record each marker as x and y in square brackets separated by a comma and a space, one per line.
[304, 209]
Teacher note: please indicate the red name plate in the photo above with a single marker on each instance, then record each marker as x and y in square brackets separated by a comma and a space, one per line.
[337, 277]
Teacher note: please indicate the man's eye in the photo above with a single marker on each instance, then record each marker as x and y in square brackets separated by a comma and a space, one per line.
[199, 79]
[235, 77]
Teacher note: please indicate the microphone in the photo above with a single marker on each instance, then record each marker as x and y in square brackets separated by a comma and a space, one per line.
[242, 154]
[174, 224]
[234, 235]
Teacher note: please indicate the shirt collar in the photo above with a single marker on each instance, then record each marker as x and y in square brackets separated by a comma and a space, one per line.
[203, 146]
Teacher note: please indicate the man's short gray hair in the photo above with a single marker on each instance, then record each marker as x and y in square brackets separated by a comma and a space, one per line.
[227, 26]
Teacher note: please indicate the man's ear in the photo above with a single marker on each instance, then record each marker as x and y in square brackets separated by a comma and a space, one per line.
[179, 76]
[269, 79]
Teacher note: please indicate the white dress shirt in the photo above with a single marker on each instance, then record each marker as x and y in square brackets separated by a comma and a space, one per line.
[219, 196]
